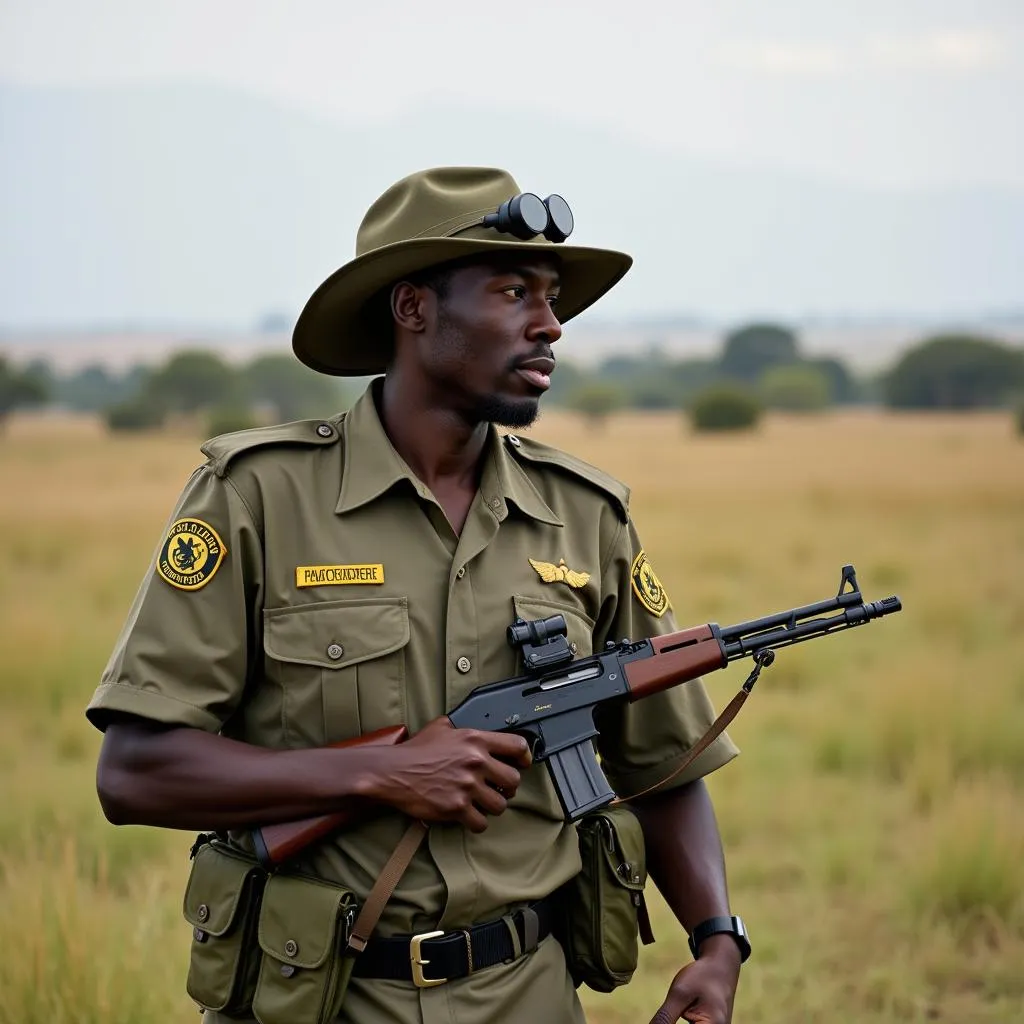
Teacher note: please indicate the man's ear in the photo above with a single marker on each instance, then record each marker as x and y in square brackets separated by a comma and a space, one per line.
[411, 306]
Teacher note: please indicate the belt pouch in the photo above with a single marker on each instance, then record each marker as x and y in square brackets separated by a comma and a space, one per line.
[304, 927]
[222, 900]
[603, 902]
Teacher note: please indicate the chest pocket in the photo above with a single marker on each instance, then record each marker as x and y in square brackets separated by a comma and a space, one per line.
[340, 666]
[579, 625]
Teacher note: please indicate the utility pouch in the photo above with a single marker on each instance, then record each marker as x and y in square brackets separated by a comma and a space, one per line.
[603, 906]
[222, 903]
[304, 927]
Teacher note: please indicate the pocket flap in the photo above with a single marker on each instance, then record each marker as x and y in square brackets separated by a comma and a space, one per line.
[336, 634]
[299, 919]
[216, 884]
[622, 842]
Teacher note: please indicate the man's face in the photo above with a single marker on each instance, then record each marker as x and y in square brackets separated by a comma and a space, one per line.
[487, 343]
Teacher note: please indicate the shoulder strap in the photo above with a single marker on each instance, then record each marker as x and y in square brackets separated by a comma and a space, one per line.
[221, 450]
[545, 455]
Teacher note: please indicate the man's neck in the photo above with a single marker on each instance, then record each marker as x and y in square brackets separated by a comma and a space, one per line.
[438, 444]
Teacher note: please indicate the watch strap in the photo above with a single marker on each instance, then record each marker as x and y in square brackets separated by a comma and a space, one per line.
[716, 925]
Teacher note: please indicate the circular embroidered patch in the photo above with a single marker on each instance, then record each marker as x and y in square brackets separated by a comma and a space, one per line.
[647, 586]
[191, 554]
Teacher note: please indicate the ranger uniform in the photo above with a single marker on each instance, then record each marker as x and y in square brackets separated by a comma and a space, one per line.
[309, 588]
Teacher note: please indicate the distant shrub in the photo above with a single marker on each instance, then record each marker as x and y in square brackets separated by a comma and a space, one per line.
[192, 380]
[748, 352]
[797, 388]
[596, 400]
[725, 407]
[135, 414]
[955, 372]
[226, 419]
[1019, 417]
[19, 388]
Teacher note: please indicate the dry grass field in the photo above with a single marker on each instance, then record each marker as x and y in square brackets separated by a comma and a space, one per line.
[874, 825]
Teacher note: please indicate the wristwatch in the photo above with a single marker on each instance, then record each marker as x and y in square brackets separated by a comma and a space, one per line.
[712, 926]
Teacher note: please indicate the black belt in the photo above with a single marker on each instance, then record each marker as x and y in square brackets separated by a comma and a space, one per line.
[432, 958]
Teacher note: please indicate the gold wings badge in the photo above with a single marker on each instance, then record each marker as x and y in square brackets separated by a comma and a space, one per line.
[561, 573]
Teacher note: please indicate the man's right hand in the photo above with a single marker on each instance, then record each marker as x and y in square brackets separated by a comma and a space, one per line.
[451, 775]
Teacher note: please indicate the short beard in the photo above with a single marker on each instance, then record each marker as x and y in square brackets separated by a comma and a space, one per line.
[507, 412]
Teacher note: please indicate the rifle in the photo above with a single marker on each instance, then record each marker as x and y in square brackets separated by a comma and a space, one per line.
[552, 705]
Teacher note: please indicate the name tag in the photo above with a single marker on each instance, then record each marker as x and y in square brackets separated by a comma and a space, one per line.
[333, 575]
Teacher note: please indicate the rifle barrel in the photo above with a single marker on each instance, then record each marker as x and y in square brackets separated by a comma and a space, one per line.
[850, 599]
[758, 637]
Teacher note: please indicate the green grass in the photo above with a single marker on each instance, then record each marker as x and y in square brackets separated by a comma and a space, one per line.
[873, 826]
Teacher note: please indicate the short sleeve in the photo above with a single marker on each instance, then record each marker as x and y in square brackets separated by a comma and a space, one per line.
[643, 743]
[184, 653]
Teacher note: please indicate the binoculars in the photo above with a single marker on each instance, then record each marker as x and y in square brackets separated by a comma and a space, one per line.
[527, 215]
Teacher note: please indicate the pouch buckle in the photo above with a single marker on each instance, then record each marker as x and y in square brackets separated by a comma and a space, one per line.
[418, 963]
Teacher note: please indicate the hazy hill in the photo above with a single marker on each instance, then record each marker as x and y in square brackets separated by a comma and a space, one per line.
[191, 204]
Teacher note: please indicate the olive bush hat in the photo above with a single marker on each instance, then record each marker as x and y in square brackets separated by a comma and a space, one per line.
[426, 219]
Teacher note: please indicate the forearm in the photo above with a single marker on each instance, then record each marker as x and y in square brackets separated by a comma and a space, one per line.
[189, 779]
[684, 852]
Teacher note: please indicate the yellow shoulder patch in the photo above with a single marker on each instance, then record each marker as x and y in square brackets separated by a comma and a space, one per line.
[191, 554]
[647, 586]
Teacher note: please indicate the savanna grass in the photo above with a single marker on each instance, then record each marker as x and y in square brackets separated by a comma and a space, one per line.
[872, 825]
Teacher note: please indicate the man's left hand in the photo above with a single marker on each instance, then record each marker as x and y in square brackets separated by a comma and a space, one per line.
[703, 992]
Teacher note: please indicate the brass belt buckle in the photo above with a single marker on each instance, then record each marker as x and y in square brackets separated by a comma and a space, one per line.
[417, 963]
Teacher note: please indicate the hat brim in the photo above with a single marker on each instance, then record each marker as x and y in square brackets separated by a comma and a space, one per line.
[337, 333]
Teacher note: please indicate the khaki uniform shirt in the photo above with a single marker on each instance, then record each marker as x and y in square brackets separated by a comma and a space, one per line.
[310, 588]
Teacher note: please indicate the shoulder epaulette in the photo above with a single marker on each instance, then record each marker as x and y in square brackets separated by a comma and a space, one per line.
[534, 451]
[222, 449]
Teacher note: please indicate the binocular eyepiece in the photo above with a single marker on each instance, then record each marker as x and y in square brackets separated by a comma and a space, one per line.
[525, 216]
[536, 631]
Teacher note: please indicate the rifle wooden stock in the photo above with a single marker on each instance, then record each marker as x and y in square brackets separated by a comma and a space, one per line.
[277, 843]
[679, 657]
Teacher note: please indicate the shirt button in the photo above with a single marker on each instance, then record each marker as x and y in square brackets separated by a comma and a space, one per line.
[335, 651]
[514, 441]
[463, 665]
[461, 573]
[325, 430]
[291, 947]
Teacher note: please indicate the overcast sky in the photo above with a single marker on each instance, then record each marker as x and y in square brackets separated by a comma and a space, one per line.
[905, 92]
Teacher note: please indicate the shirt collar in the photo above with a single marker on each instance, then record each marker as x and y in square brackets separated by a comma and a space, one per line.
[504, 476]
[372, 467]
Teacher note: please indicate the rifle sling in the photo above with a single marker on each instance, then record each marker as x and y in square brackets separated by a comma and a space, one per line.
[385, 886]
[716, 730]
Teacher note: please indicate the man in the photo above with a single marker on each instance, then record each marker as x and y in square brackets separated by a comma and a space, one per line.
[322, 580]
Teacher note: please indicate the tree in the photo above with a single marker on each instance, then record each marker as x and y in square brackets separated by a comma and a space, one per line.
[955, 372]
[797, 388]
[725, 407]
[842, 388]
[294, 390]
[596, 400]
[138, 413]
[691, 376]
[192, 380]
[18, 389]
[751, 350]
